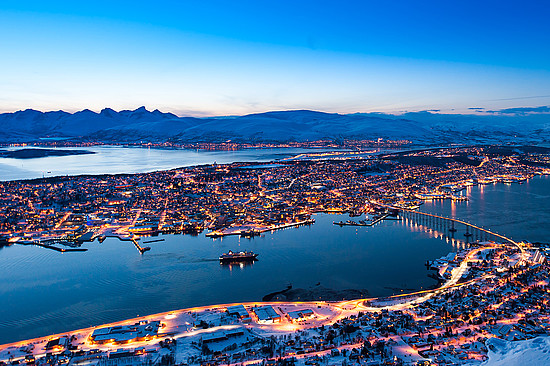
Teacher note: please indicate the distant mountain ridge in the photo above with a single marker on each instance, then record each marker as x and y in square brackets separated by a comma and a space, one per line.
[278, 126]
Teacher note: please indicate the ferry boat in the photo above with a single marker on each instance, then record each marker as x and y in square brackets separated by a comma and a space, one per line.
[238, 257]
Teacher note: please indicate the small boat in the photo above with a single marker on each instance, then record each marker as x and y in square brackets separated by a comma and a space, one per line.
[249, 233]
[238, 257]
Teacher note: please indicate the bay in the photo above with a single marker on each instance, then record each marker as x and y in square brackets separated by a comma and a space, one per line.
[119, 159]
[45, 292]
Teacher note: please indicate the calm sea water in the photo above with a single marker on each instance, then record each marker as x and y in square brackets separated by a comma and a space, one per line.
[117, 159]
[44, 292]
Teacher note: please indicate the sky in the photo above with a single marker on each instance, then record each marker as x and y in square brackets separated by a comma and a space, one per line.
[205, 58]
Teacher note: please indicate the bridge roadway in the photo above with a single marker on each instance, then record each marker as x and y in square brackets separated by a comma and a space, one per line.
[516, 244]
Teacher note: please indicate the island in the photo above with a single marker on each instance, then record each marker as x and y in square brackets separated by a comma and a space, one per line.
[31, 153]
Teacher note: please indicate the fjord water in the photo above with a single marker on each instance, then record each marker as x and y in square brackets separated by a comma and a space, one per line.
[118, 159]
[44, 291]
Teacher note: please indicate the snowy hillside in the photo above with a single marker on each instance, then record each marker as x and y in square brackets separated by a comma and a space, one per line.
[529, 352]
[299, 125]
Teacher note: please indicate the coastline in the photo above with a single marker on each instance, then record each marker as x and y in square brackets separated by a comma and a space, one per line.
[140, 312]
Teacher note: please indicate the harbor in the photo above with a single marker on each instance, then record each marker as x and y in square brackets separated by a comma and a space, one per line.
[367, 222]
[255, 230]
[403, 329]
[187, 264]
[274, 222]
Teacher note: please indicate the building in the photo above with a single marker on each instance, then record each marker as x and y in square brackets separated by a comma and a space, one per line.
[143, 330]
[240, 312]
[266, 314]
[299, 315]
[221, 335]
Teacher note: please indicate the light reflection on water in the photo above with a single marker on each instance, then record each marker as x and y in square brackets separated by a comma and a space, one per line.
[47, 291]
[117, 159]
[519, 211]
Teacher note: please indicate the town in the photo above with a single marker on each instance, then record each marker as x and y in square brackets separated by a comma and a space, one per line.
[492, 288]
[247, 199]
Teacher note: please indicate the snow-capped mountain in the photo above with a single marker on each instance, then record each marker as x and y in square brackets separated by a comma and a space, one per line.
[297, 125]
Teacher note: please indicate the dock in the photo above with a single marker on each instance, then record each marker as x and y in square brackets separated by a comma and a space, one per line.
[353, 223]
[132, 239]
[140, 248]
[47, 246]
[153, 241]
[251, 232]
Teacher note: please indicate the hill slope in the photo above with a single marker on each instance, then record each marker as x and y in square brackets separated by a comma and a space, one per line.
[299, 125]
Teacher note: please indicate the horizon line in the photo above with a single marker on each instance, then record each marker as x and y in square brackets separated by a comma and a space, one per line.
[473, 111]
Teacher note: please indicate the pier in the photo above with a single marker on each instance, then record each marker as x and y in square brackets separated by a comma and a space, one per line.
[47, 246]
[132, 239]
[353, 223]
[140, 248]
[247, 231]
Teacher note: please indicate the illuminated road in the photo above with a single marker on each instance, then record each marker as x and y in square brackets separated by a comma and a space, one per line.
[516, 244]
[138, 213]
[63, 219]
[460, 222]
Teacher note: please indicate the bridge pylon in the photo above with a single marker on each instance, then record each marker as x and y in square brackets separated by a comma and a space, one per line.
[452, 229]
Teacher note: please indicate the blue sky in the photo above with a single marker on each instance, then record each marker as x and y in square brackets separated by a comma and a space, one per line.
[220, 57]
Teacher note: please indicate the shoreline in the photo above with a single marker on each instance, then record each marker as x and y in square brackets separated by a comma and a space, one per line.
[255, 230]
[379, 302]
[400, 301]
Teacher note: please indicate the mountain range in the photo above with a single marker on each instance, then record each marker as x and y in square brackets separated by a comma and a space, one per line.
[141, 125]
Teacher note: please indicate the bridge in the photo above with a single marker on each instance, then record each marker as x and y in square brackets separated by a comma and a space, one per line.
[416, 214]
[413, 214]
[393, 301]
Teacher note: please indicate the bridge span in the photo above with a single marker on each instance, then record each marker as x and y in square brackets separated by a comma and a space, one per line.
[458, 221]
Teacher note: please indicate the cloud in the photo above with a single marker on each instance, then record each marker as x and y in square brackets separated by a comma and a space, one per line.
[522, 110]
[476, 108]
[425, 111]
[517, 98]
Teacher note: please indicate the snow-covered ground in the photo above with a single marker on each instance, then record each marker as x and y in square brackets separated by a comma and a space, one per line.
[530, 352]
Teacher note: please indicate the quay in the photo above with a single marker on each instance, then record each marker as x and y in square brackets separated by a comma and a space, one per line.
[132, 239]
[140, 248]
[353, 223]
[47, 246]
[153, 241]
[249, 232]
